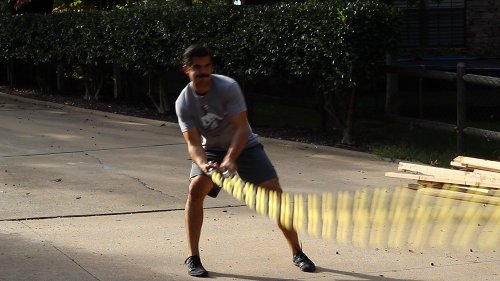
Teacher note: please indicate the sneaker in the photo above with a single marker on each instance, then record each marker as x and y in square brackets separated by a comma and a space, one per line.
[195, 268]
[303, 262]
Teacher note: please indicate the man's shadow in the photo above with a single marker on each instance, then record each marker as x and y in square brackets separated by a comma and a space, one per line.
[319, 271]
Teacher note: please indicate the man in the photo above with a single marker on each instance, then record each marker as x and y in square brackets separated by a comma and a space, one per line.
[213, 119]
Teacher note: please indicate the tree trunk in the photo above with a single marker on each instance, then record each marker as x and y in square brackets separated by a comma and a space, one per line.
[44, 75]
[87, 95]
[347, 134]
[10, 73]
[391, 87]
[161, 103]
[333, 113]
[164, 100]
[94, 81]
[60, 78]
[117, 82]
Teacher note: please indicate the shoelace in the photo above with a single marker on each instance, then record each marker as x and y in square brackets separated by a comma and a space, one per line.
[192, 259]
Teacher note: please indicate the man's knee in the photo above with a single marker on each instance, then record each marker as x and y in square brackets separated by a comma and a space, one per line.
[199, 186]
[272, 184]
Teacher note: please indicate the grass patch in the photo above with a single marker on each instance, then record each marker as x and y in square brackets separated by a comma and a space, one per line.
[432, 147]
[388, 140]
[402, 142]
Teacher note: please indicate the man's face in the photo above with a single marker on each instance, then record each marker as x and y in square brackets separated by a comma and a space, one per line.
[199, 73]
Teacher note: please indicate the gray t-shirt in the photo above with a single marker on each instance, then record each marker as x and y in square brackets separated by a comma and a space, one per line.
[210, 113]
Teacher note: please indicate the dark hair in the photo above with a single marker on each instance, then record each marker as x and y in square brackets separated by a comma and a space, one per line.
[195, 51]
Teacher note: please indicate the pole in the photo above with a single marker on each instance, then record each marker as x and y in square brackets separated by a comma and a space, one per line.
[391, 87]
[461, 107]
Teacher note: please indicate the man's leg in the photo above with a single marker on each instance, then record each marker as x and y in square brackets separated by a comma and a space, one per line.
[290, 235]
[254, 166]
[199, 186]
[299, 258]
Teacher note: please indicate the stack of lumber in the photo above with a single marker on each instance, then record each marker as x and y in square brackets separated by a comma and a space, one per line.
[470, 179]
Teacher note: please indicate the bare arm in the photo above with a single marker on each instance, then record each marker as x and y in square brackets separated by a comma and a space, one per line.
[238, 143]
[195, 150]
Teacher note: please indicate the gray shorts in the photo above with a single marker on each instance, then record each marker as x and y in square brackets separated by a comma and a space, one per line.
[253, 166]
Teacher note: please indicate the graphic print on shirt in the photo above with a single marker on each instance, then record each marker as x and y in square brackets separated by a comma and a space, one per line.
[209, 120]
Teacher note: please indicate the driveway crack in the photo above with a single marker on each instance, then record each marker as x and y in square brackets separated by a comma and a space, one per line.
[115, 213]
[143, 183]
[139, 180]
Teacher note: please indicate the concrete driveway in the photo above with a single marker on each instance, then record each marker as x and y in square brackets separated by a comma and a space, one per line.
[87, 195]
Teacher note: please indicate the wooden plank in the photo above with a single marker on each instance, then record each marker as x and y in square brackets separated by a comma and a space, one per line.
[486, 173]
[476, 163]
[461, 196]
[472, 189]
[484, 177]
[482, 80]
[467, 180]
[455, 187]
[424, 73]
[460, 166]
[428, 170]
[429, 184]
[482, 133]
[414, 186]
[422, 123]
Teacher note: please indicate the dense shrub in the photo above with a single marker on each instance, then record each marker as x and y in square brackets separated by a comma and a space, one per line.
[295, 38]
[334, 45]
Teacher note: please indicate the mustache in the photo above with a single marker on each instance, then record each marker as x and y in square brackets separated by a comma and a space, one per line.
[202, 75]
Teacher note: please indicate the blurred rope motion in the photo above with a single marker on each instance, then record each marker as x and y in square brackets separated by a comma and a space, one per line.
[375, 218]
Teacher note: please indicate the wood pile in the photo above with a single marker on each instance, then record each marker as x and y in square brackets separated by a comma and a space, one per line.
[469, 179]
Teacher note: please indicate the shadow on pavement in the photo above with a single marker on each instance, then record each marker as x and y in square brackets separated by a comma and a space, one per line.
[34, 258]
[320, 270]
[361, 276]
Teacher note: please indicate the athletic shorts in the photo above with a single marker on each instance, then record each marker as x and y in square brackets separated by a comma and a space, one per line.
[253, 166]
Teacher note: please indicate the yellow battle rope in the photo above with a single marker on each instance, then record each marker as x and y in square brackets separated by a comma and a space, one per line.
[398, 218]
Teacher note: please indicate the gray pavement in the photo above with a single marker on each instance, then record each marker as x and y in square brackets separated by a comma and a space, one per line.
[87, 195]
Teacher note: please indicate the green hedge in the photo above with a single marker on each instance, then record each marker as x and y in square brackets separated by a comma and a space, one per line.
[333, 46]
[296, 39]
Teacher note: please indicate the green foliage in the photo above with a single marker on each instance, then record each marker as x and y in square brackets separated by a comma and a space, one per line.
[94, 5]
[333, 45]
[3, 7]
[91, 5]
[21, 39]
[437, 148]
[302, 40]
